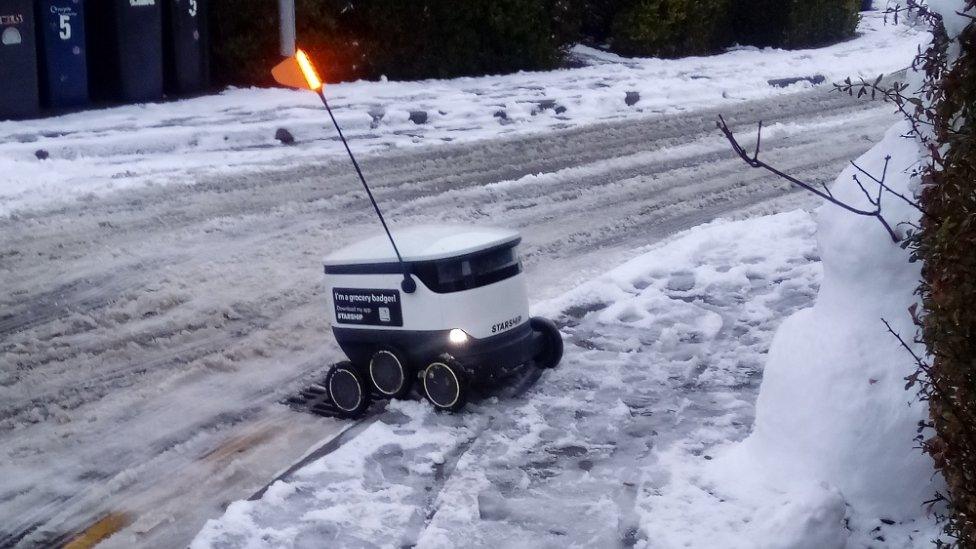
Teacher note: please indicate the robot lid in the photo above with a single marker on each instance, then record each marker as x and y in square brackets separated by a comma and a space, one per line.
[423, 243]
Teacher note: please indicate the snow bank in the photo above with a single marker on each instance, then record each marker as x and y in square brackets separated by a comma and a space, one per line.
[952, 16]
[182, 142]
[835, 377]
[831, 459]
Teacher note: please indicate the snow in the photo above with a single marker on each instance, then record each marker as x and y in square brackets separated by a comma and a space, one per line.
[150, 333]
[197, 140]
[853, 394]
[161, 327]
[832, 459]
[633, 438]
[954, 16]
[832, 452]
[662, 353]
[642, 436]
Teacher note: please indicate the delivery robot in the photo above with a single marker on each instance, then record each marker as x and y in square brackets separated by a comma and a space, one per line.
[442, 309]
[465, 323]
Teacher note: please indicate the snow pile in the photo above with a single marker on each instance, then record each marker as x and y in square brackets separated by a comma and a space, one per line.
[665, 350]
[185, 141]
[835, 375]
[952, 17]
[831, 459]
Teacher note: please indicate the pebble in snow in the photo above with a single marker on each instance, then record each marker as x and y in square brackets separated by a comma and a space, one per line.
[418, 117]
[285, 136]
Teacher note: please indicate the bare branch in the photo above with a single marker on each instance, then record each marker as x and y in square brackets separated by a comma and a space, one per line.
[908, 105]
[755, 157]
[965, 421]
[827, 189]
[881, 184]
[754, 162]
[865, 191]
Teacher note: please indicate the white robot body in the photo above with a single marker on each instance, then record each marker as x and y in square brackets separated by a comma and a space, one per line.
[467, 279]
[500, 306]
[454, 311]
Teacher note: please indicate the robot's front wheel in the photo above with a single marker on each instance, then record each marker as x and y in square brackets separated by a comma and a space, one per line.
[445, 385]
[348, 390]
[390, 373]
[552, 342]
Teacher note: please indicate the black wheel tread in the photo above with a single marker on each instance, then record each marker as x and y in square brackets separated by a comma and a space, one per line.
[364, 389]
[462, 382]
[552, 351]
[407, 371]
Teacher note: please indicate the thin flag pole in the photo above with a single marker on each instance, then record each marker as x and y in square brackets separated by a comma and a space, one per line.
[408, 285]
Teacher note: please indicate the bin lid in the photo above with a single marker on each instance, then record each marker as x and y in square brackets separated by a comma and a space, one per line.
[423, 243]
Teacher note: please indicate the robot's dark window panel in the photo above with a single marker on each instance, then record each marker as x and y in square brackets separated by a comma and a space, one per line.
[469, 272]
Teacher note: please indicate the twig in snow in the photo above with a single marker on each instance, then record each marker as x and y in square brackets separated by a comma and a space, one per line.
[882, 185]
[927, 370]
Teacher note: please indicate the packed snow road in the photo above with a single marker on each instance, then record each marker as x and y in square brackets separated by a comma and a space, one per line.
[146, 336]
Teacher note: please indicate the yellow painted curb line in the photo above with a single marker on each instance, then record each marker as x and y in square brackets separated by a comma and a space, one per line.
[100, 531]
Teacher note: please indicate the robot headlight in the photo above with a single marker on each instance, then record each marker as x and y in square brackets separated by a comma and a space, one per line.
[457, 336]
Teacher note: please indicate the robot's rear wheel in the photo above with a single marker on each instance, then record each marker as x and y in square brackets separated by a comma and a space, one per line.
[552, 347]
[445, 385]
[390, 373]
[348, 390]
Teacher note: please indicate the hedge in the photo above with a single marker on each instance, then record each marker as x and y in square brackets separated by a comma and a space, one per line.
[947, 246]
[597, 19]
[403, 40]
[760, 23]
[672, 28]
[815, 23]
[445, 38]
[794, 23]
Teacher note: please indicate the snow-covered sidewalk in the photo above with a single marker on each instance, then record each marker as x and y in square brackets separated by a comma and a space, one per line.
[188, 141]
[832, 459]
[665, 351]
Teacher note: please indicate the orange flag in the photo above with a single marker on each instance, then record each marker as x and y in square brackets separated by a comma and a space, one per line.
[297, 72]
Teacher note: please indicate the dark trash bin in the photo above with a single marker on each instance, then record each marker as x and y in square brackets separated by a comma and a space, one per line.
[126, 49]
[187, 67]
[64, 72]
[19, 94]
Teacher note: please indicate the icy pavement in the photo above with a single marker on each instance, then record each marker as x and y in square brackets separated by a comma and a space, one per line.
[233, 133]
[664, 351]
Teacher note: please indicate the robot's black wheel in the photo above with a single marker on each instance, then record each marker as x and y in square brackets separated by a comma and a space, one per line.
[390, 373]
[348, 390]
[445, 385]
[552, 347]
